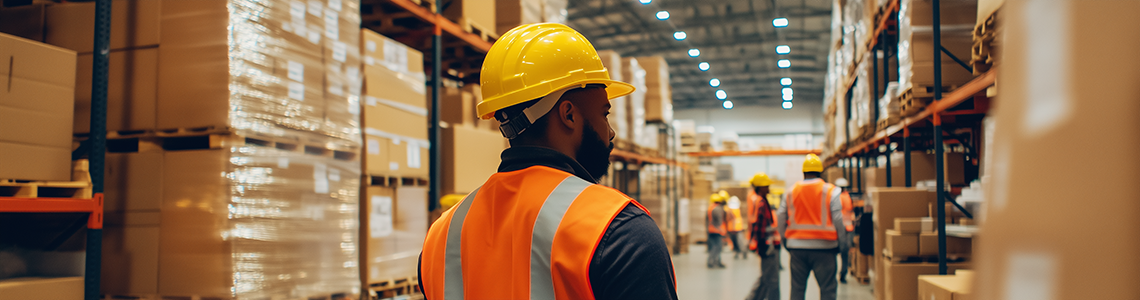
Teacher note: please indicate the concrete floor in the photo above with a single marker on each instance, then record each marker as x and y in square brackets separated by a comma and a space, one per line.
[696, 281]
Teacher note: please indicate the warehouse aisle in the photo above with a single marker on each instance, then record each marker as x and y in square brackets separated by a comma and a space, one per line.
[695, 281]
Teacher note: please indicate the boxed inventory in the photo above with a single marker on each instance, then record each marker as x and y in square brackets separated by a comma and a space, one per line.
[946, 287]
[658, 93]
[1068, 86]
[397, 223]
[512, 13]
[634, 74]
[35, 110]
[470, 156]
[900, 280]
[619, 110]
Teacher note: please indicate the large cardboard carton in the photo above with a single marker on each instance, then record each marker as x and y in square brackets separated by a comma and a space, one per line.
[134, 24]
[392, 70]
[396, 119]
[901, 244]
[131, 90]
[928, 244]
[512, 13]
[1068, 90]
[35, 110]
[922, 168]
[130, 251]
[913, 225]
[41, 288]
[394, 222]
[901, 279]
[470, 156]
[889, 204]
[946, 287]
[25, 21]
[658, 96]
[480, 13]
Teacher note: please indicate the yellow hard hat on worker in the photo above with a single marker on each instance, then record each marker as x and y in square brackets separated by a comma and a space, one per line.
[717, 198]
[450, 200]
[539, 61]
[760, 179]
[813, 164]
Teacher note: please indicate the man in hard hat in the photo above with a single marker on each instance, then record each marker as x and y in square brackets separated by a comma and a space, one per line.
[762, 223]
[541, 228]
[716, 220]
[735, 225]
[849, 225]
[811, 226]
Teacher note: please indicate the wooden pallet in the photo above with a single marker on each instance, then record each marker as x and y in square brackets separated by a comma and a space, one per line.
[891, 120]
[487, 34]
[982, 56]
[398, 288]
[78, 188]
[393, 181]
[951, 258]
[910, 105]
[202, 138]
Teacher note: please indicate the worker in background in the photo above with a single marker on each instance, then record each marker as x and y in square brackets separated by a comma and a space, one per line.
[716, 224]
[735, 227]
[849, 224]
[763, 240]
[541, 228]
[810, 222]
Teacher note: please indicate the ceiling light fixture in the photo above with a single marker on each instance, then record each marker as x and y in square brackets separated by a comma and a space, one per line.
[645, 1]
[720, 94]
[785, 81]
[783, 49]
[662, 15]
[714, 82]
[786, 91]
[680, 35]
[780, 22]
[704, 66]
[787, 97]
[727, 104]
[694, 52]
[787, 105]
[784, 63]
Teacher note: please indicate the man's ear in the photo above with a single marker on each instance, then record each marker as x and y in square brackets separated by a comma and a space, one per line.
[566, 110]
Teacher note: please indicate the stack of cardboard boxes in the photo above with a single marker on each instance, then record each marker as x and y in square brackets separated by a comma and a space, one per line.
[921, 169]
[958, 286]
[619, 109]
[35, 110]
[900, 236]
[916, 44]
[658, 94]
[512, 13]
[634, 74]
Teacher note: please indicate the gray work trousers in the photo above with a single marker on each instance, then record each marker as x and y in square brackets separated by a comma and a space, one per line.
[768, 286]
[716, 245]
[822, 262]
[845, 256]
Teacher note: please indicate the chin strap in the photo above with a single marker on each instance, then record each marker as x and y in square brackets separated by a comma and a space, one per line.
[517, 124]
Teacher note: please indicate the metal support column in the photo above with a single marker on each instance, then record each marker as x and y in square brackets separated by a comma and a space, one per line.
[939, 185]
[888, 166]
[859, 171]
[906, 156]
[96, 155]
[434, 132]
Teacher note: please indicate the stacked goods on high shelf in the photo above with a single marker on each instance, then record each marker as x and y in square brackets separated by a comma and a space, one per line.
[632, 72]
[983, 53]
[705, 138]
[916, 49]
[653, 193]
[903, 242]
[231, 161]
[512, 13]
[659, 95]
[860, 124]
[395, 145]
[921, 170]
[35, 110]
[700, 188]
[475, 16]
[618, 118]
[688, 135]
[889, 111]
[1050, 50]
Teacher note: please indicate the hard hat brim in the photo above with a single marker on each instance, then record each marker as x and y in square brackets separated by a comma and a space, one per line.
[614, 89]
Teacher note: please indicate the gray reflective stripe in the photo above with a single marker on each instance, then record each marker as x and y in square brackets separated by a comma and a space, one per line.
[791, 202]
[453, 261]
[811, 227]
[825, 205]
[542, 236]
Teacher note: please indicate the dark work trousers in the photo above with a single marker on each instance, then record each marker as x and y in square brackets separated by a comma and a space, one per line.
[768, 286]
[716, 245]
[822, 262]
[845, 260]
[736, 246]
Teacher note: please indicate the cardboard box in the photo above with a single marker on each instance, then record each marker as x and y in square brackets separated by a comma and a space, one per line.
[921, 12]
[130, 252]
[41, 288]
[377, 155]
[470, 156]
[402, 63]
[901, 279]
[928, 244]
[901, 245]
[889, 204]
[35, 110]
[658, 96]
[922, 168]
[131, 90]
[512, 13]
[395, 223]
[25, 21]
[133, 182]
[945, 287]
[912, 225]
[409, 158]
[395, 119]
[480, 13]
[457, 106]
[134, 24]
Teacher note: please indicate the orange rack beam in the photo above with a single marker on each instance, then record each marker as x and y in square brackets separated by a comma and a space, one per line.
[444, 24]
[630, 156]
[57, 205]
[755, 153]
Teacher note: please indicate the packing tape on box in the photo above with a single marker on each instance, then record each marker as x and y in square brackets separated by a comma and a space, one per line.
[398, 105]
[397, 139]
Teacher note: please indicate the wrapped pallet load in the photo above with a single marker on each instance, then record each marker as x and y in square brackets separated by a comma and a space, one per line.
[619, 119]
[916, 49]
[633, 74]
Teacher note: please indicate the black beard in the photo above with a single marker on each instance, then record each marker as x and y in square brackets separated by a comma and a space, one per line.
[594, 155]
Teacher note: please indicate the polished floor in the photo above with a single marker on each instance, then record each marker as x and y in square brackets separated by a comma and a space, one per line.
[697, 282]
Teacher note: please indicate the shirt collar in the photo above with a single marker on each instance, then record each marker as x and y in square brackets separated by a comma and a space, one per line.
[518, 158]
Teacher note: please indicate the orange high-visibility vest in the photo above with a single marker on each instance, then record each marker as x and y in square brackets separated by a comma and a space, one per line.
[737, 222]
[848, 211]
[756, 204]
[721, 230]
[527, 234]
[809, 213]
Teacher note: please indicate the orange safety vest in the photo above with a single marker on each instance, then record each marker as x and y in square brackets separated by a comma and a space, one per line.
[721, 230]
[526, 234]
[809, 213]
[848, 211]
[756, 203]
[737, 222]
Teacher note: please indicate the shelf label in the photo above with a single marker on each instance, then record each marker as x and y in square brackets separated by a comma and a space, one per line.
[370, 46]
[373, 147]
[331, 25]
[296, 71]
[413, 156]
[340, 51]
[297, 11]
[380, 223]
[297, 91]
[315, 7]
[320, 178]
[336, 5]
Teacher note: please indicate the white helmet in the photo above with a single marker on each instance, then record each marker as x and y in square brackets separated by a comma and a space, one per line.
[841, 182]
[734, 202]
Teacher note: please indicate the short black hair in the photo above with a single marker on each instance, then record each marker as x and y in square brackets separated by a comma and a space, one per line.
[816, 174]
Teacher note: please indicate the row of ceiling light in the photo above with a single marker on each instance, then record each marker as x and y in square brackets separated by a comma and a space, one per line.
[786, 82]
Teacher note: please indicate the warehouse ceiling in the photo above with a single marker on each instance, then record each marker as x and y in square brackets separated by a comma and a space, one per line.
[736, 37]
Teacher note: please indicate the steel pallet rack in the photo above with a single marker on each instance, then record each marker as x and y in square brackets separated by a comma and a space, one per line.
[944, 106]
[96, 147]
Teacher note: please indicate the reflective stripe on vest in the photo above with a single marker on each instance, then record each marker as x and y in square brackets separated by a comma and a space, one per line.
[522, 235]
[804, 225]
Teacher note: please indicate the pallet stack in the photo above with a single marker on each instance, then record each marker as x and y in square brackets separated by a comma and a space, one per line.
[619, 107]
[232, 166]
[916, 50]
[633, 73]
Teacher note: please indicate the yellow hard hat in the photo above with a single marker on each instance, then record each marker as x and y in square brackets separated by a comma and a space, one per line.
[450, 200]
[812, 164]
[716, 198]
[535, 60]
[724, 194]
[760, 179]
